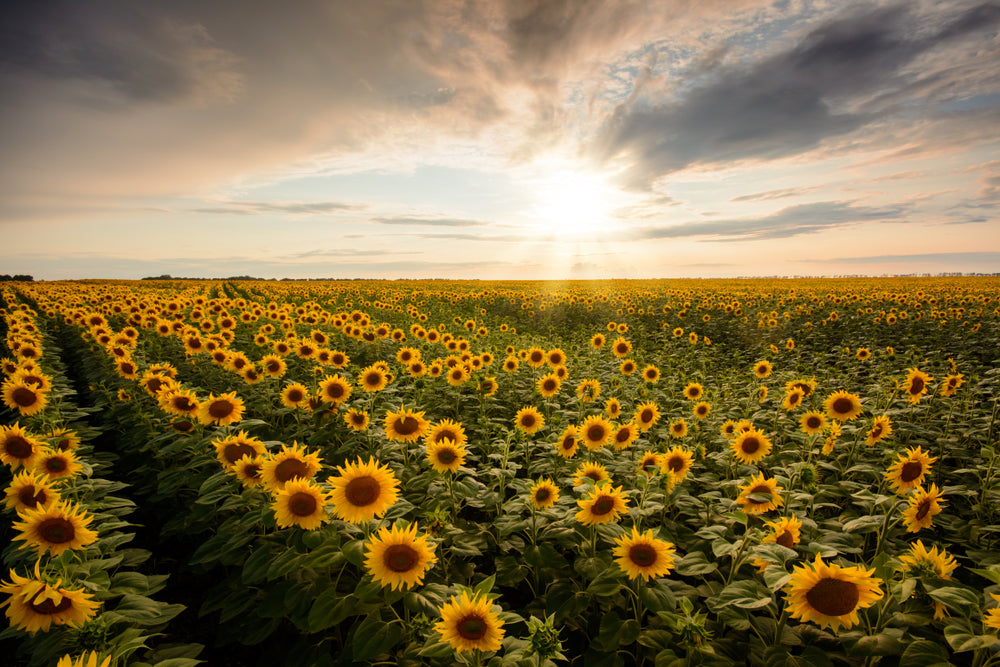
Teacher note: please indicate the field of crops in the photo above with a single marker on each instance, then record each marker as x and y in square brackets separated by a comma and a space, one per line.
[766, 472]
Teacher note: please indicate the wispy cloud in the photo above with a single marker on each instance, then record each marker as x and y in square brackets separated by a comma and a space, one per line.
[429, 221]
[950, 258]
[294, 208]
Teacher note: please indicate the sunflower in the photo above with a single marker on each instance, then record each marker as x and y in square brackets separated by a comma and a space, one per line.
[594, 432]
[807, 386]
[909, 470]
[555, 357]
[273, 366]
[32, 376]
[372, 379]
[702, 409]
[622, 437]
[762, 369]
[760, 495]
[568, 443]
[294, 395]
[784, 531]
[650, 373]
[445, 455]
[405, 425]
[18, 447]
[597, 341]
[603, 505]
[646, 415]
[334, 389]
[399, 558]
[535, 357]
[592, 470]
[488, 386]
[831, 595]
[57, 464]
[300, 503]
[613, 408]
[232, 448]
[693, 391]
[222, 410]
[457, 375]
[529, 419]
[92, 659]
[511, 364]
[793, 399]
[57, 527]
[627, 367]
[642, 555]
[842, 406]
[470, 624]
[290, 463]
[36, 605]
[881, 429]
[678, 429]
[543, 494]
[728, 429]
[751, 446]
[950, 384]
[676, 463]
[248, 471]
[916, 384]
[446, 429]
[991, 617]
[24, 397]
[923, 507]
[548, 385]
[356, 419]
[363, 491]
[920, 561]
[647, 463]
[29, 490]
[179, 402]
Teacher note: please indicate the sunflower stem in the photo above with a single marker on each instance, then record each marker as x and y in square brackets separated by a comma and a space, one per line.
[885, 525]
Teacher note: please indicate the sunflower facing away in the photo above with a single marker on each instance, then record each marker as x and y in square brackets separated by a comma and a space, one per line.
[923, 506]
[831, 595]
[55, 528]
[363, 491]
[643, 555]
[36, 605]
[760, 495]
[445, 455]
[399, 558]
[300, 503]
[470, 624]
[543, 494]
[919, 561]
[750, 446]
[405, 425]
[915, 384]
[909, 471]
[842, 406]
[604, 505]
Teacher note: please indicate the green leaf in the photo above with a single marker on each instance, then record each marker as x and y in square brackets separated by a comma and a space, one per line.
[329, 609]
[956, 599]
[747, 594]
[961, 641]
[354, 551]
[695, 564]
[374, 636]
[992, 573]
[923, 653]
[486, 585]
[606, 583]
[865, 524]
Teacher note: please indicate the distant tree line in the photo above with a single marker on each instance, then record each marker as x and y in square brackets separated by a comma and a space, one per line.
[21, 277]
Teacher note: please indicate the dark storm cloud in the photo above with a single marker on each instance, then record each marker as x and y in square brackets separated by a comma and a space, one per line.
[827, 85]
[790, 221]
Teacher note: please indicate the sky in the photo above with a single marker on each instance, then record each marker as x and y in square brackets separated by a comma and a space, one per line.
[499, 139]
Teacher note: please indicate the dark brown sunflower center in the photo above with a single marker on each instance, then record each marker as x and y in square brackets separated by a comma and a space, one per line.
[642, 555]
[24, 397]
[184, 404]
[910, 471]
[916, 385]
[785, 539]
[794, 398]
[183, 426]
[17, 447]
[31, 496]
[272, 366]
[761, 488]
[569, 443]
[154, 384]
[407, 425]
[295, 395]
[750, 445]
[543, 494]
[527, 421]
[400, 558]
[596, 433]
[550, 385]
[358, 419]
[55, 464]
[373, 379]
[602, 505]
[335, 391]
[362, 491]
[675, 464]
[235, 451]
[923, 508]
[622, 435]
[536, 358]
[833, 597]
[220, 409]
[302, 504]
[48, 607]
[56, 530]
[815, 422]
[291, 469]
[843, 405]
[472, 628]
[646, 416]
[446, 456]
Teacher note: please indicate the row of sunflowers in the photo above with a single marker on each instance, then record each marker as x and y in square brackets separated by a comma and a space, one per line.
[785, 472]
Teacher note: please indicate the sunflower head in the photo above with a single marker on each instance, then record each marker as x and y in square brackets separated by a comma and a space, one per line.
[915, 385]
[909, 471]
[760, 495]
[55, 528]
[405, 425]
[604, 504]
[831, 595]
[399, 558]
[290, 463]
[445, 455]
[470, 624]
[529, 420]
[543, 494]
[594, 432]
[842, 406]
[750, 446]
[643, 555]
[646, 415]
[363, 491]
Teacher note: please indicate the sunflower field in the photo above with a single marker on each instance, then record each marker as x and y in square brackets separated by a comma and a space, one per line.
[763, 472]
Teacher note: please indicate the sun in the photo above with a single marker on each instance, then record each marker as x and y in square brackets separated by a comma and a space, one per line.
[570, 202]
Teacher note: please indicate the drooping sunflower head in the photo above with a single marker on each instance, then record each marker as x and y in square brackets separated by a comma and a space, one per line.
[363, 491]
[36, 605]
[55, 528]
[529, 419]
[445, 455]
[831, 595]
[933, 563]
[543, 494]
[950, 384]
[470, 624]
[399, 558]
[643, 555]
[405, 425]
[290, 463]
[842, 406]
[751, 446]
[91, 659]
[909, 471]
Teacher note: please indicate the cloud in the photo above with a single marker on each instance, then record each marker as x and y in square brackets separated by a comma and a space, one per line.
[839, 77]
[790, 221]
[780, 193]
[429, 220]
[260, 208]
[953, 258]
